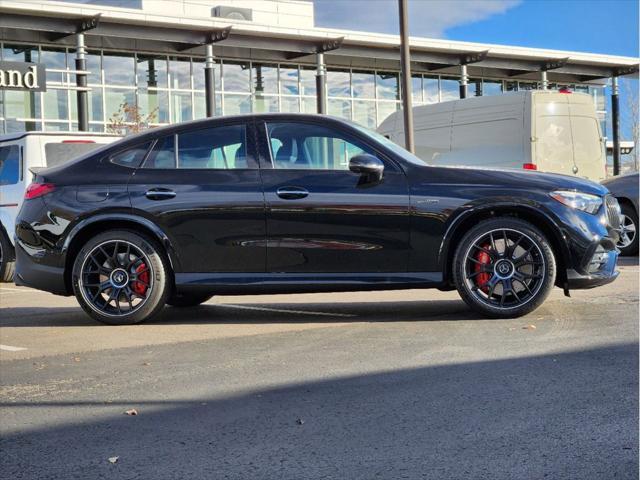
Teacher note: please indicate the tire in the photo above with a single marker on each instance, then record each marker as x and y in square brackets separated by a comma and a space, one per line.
[188, 299]
[500, 282]
[628, 243]
[7, 258]
[121, 277]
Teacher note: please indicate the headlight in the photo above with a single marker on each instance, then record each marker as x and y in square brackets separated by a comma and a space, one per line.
[580, 201]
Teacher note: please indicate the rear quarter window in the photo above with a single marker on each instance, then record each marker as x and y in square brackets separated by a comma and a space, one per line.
[132, 157]
[9, 165]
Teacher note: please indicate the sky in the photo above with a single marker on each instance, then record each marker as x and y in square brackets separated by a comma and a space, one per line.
[594, 26]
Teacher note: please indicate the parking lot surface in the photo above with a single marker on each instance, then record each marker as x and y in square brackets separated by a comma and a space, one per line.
[405, 384]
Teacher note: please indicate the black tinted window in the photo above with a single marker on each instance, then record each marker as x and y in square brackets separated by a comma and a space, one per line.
[163, 154]
[211, 148]
[9, 165]
[131, 157]
[307, 146]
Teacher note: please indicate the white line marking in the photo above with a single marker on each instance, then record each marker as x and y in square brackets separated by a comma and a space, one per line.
[9, 348]
[281, 310]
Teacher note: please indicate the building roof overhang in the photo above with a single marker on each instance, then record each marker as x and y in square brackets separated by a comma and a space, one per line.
[137, 30]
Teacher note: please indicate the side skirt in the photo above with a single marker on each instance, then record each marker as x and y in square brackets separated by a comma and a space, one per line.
[258, 283]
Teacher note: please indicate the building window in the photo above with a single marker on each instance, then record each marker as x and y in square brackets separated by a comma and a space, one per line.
[416, 89]
[235, 76]
[119, 69]
[387, 86]
[152, 71]
[449, 89]
[308, 81]
[431, 87]
[491, 87]
[364, 84]
[265, 78]
[289, 81]
[338, 83]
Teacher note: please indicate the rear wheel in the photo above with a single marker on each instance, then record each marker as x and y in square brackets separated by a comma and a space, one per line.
[504, 268]
[188, 299]
[7, 258]
[121, 277]
[628, 243]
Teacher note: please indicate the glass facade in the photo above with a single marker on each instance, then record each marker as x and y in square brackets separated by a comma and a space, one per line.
[170, 88]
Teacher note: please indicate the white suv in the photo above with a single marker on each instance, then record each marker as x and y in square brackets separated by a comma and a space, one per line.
[20, 152]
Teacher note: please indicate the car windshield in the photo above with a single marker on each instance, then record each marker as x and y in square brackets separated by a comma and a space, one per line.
[407, 155]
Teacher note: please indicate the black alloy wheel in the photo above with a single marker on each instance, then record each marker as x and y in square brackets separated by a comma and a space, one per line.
[120, 277]
[504, 268]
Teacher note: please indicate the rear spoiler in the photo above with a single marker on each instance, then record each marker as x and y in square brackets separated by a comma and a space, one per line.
[36, 170]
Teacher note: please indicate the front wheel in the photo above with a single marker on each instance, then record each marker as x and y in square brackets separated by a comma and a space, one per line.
[121, 277]
[504, 268]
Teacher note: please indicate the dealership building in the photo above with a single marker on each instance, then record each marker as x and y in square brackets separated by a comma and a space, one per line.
[178, 60]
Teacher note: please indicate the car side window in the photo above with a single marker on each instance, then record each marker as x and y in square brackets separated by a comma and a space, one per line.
[9, 165]
[314, 147]
[132, 157]
[222, 147]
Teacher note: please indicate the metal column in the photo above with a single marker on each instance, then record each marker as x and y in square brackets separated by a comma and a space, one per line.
[464, 81]
[545, 80]
[321, 84]
[81, 83]
[615, 124]
[210, 81]
[406, 76]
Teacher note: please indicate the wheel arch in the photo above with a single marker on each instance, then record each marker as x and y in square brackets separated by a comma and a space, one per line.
[627, 201]
[535, 216]
[87, 228]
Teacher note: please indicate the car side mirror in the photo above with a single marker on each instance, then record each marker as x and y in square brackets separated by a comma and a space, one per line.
[368, 166]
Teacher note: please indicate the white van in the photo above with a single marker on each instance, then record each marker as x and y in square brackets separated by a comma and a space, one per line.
[541, 130]
[18, 153]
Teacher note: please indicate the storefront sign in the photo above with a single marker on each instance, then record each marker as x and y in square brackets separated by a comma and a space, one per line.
[23, 76]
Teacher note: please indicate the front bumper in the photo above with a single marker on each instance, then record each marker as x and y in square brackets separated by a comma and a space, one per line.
[607, 273]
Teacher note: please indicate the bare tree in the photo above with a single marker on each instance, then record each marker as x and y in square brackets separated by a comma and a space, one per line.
[128, 119]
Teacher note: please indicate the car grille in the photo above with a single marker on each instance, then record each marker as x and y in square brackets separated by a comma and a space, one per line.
[613, 211]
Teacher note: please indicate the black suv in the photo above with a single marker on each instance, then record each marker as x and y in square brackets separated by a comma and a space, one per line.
[302, 203]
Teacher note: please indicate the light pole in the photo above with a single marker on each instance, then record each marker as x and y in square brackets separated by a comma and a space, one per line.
[406, 76]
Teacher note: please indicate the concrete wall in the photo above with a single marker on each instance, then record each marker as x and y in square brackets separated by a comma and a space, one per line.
[285, 13]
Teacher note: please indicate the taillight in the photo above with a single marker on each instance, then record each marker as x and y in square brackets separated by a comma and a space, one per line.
[529, 166]
[35, 190]
[564, 90]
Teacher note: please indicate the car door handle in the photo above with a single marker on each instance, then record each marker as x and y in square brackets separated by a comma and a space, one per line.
[292, 193]
[159, 194]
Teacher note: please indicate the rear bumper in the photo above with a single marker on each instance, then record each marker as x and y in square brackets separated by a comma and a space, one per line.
[31, 273]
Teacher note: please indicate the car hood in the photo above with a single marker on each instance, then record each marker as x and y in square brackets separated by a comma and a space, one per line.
[521, 179]
[629, 177]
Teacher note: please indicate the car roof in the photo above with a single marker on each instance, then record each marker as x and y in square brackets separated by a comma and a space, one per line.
[153, 133]
[18, 135]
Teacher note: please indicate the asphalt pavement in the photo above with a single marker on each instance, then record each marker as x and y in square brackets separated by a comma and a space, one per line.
[405, 384]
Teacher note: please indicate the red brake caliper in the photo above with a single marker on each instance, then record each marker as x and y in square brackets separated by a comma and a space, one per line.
[482, 278]
[139, 287]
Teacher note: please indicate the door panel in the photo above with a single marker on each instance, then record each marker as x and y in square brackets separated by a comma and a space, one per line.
[322, 218]
[208, 198]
